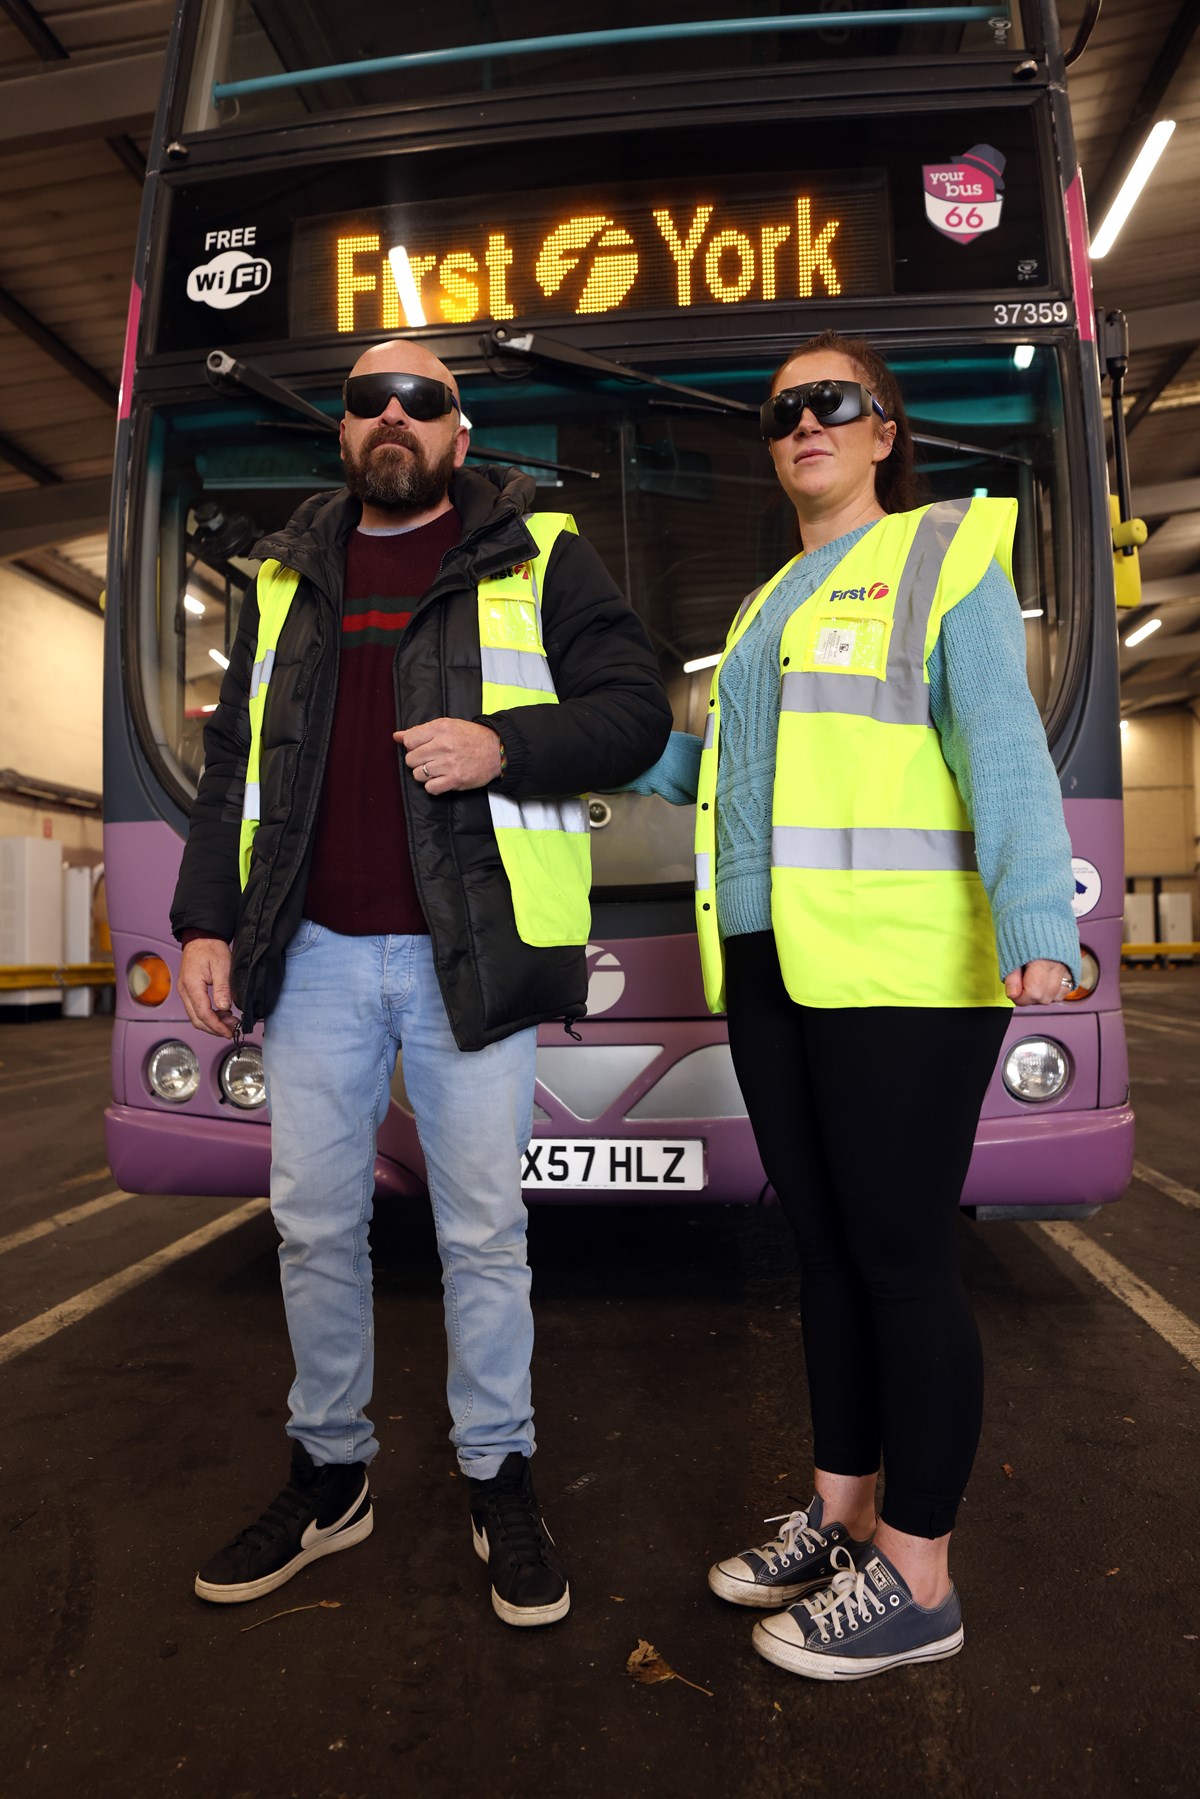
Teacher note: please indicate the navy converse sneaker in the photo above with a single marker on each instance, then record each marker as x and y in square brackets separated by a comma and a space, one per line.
[795, 1562]
[528, 1585]
[324, 1507]
[864, 1622]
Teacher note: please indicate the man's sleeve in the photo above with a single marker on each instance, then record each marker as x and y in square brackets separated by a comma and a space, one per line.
[208, 890]
[613, 717]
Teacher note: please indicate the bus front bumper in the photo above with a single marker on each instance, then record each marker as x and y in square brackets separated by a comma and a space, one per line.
[1061, 1162]
[152, 1151]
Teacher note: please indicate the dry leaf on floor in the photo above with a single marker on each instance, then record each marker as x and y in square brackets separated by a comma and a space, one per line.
[1108, 1571]
[647, 1665]
[616, 1599]
[1007, 1469]
[321, 1605]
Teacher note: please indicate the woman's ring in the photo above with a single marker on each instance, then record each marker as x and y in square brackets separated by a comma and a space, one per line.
[1066, 981]
[425, 769]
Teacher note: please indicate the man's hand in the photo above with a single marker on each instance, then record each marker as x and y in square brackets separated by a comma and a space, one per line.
[449, 755]
[1038, 983]
[206, 963]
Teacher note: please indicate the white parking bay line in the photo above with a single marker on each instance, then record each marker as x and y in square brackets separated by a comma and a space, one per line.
[1180, 1027]
[1164, 1183]
[1172, 1325]
[45, 1227]
[72, 1310]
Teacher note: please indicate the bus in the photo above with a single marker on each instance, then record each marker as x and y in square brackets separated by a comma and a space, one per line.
[613, 234]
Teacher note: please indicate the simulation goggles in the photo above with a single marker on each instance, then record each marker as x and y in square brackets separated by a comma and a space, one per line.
[832, 402]
[422, 398]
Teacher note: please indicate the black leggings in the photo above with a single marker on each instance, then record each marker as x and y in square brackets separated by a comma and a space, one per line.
[865, 1119]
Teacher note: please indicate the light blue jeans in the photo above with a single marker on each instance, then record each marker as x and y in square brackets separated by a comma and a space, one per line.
[347, 1005]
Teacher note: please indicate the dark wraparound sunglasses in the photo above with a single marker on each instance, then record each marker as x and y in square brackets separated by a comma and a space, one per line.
[367, 396]
[832, 402]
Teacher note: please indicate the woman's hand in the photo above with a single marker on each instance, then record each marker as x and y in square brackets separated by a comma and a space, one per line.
[1039, 983]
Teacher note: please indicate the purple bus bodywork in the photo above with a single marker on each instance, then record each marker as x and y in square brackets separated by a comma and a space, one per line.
[1074, 1151]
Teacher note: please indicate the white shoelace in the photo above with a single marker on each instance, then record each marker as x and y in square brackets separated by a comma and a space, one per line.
[797, 1535]
[848, 1600]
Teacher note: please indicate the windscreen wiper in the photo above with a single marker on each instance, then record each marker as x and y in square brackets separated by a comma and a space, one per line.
[222, 369]
[984, 450]
[550, 349]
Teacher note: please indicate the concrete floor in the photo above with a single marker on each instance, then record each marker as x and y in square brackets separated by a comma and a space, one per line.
[671, 1418]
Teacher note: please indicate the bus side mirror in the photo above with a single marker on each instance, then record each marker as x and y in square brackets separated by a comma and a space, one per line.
[1127, 535]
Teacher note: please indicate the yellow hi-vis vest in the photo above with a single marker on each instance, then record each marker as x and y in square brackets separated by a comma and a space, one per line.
[876, 899]
[545, 845]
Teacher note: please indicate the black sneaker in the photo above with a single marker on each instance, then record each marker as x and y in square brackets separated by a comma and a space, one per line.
[324, 1507]
[528, 1586]
[795, 1562]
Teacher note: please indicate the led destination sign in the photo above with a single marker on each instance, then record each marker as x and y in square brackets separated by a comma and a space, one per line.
[401, 267]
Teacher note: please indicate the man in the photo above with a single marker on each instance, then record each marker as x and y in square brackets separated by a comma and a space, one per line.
[419, 668]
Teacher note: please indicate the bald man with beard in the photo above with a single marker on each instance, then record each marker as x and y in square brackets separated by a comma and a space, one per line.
[344, 881]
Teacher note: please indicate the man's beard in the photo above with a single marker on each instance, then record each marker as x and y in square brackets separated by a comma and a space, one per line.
[395, 482]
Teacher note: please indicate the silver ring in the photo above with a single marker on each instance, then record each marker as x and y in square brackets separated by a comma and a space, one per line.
[1066, 981]
[425, 769]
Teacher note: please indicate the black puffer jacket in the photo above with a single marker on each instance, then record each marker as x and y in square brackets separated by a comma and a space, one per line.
[612, 722]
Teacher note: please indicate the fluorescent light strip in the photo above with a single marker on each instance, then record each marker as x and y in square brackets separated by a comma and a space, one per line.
[1033, 612]
[698, 662]
[1142, 632]
[193, 605]
[221, 661]
[1131, 187]
[1022, 356]
[406, 286]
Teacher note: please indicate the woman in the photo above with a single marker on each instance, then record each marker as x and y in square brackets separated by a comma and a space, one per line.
[882, 872]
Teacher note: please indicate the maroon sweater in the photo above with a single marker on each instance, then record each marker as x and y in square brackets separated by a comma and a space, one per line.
[360, 882]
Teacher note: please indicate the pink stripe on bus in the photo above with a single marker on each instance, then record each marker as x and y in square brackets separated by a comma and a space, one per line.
[130, 356]
[1081, 267]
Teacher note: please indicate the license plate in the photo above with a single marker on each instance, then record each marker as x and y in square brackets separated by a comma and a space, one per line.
[652, 1164]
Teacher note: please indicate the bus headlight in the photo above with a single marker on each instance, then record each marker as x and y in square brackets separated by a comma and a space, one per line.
[242, 1080]
[1036, 1069]
[173, 1072]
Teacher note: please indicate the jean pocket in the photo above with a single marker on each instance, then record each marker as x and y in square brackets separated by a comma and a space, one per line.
[307, 933]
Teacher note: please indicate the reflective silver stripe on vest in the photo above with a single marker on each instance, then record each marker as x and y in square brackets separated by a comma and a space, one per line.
[517, 668]
[861, 696]
[261, 673]
[877, 849]
[746, 604]
[703, 870]
[710, 731]
[251, 802]
[538, 815]
[914, 600]
[903, 699]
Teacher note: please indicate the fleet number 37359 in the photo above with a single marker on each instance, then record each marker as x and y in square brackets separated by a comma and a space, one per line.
[1032, 312]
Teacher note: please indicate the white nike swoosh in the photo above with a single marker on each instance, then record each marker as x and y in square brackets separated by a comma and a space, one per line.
[315, 1533]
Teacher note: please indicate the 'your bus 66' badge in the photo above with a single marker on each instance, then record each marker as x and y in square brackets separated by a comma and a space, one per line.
[964, 198]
